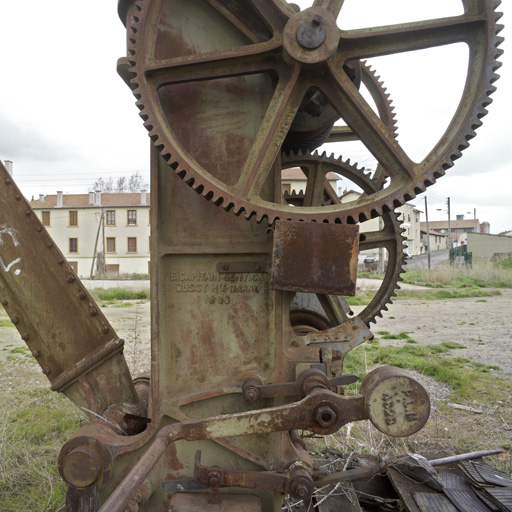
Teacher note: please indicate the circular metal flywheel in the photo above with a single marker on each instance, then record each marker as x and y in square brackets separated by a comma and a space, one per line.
[224, 87]
[389, 235]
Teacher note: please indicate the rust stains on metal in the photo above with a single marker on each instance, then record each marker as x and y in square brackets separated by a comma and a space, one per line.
[397, 404]
[316, 258]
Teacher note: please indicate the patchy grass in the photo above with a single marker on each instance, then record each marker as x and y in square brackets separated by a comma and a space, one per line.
[34, 425]
[483, 274]
[115, 294]
[504, 264]
[21, 350]
[402, 336]
[5, 323]
[362, 299]
[466, 378]
[443, 294]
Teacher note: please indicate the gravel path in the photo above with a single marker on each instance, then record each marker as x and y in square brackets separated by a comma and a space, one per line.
[482, 325]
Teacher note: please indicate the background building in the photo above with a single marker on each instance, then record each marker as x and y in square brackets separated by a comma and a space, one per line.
[438, 241]
[457, 229]
[99, 233]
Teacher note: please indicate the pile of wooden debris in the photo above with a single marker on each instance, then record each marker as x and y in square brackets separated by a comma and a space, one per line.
[411, 483]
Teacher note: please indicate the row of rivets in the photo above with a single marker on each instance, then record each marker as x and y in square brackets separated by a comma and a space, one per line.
[69, 278]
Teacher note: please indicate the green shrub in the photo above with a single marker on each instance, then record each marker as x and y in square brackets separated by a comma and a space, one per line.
[120, 294]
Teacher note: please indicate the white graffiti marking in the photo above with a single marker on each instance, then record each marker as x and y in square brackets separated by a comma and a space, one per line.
[12, 233]
[6, 268]
[9, 231]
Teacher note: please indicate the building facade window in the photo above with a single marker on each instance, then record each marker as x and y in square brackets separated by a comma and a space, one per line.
[132, 217]
[73, 218]
[45, 218]
[111, 217]
[132, 244]
[73, 245]
[111, 244]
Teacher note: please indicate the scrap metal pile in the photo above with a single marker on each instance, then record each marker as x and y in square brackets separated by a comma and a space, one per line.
[233, 93]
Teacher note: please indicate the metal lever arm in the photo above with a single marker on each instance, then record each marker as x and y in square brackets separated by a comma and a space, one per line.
[297, 481]
[253, 389]
[322, 412]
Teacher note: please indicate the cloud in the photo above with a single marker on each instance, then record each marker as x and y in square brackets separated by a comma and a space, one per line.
[22, 142]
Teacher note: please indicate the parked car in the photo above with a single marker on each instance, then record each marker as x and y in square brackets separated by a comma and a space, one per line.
[371, 259]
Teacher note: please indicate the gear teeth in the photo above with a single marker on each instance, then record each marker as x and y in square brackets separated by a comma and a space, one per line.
[382, 205]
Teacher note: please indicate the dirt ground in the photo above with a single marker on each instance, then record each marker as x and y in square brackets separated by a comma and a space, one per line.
[483, 326]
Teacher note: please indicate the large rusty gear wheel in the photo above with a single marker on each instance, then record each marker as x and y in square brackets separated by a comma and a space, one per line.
[222, 97]
[390, 237]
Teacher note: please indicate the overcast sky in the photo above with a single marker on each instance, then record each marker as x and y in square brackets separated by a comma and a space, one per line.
[66, 118]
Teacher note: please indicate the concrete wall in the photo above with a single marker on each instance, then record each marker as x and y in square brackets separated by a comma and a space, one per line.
[484, 246]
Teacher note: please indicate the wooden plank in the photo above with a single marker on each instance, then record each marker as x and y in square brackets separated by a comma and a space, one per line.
[466, 500]
[405, 487]
[433, 502]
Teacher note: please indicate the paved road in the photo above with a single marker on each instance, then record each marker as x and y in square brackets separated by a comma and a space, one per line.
[421, 261]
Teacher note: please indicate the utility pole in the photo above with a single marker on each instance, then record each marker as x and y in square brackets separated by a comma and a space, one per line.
[428, 233]
[381, 249]
[449, 224]
[96, 243]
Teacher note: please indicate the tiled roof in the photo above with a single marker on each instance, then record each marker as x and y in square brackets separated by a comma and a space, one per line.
[432, 232]
[295, 173]
[454, 224]
[82, 200]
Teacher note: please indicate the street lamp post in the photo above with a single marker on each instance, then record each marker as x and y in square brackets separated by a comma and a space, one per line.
[449, 222]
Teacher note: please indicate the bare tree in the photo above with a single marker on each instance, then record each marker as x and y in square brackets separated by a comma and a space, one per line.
[133, 183]
[136, 183]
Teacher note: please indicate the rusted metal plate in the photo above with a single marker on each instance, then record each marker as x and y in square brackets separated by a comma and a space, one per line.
[315, 258]
[397, 404]
[195, 502]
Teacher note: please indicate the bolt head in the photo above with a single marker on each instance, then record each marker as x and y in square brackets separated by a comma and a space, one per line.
[301, 486]
[311, 34]
[325, 416]
[251, 394]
